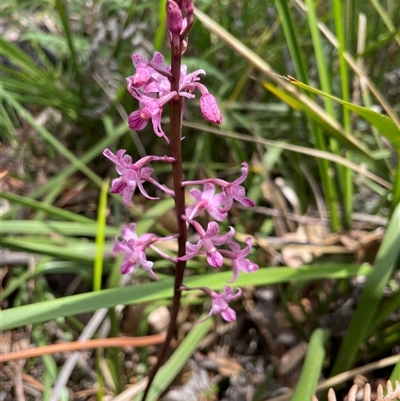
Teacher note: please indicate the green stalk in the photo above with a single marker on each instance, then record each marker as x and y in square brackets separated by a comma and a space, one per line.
[325, 81]
[300, 67]
[344, 82]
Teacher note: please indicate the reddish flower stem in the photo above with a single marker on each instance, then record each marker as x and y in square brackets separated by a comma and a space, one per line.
[176, 105]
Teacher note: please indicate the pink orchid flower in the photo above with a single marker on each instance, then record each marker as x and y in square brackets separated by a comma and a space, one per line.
[133, 175]
[209, 239]
[239, 260]
[133, 247]
[232, 190]
[208, 201]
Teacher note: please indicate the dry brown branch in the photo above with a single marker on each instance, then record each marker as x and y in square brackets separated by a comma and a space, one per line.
[79, 345]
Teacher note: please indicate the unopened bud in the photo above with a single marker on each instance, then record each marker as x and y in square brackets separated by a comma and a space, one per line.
[188, 7]
[174, 17]
[209, 108]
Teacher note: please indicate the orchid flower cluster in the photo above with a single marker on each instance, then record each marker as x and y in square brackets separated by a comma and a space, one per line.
[152, 85]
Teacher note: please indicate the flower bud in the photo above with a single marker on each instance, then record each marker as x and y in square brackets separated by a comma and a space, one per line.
[174, 17]
[209, 108]
[188, 7]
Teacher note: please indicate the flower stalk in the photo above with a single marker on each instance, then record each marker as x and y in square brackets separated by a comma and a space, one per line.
[155, 85]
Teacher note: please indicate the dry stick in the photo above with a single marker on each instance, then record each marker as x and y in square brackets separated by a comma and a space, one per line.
[176, 152]
[80, 345]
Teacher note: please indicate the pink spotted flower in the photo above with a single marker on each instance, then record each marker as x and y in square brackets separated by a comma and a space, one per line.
[207, 243]
[232, 190]
[219, 302]
[132, 175]
[134, 249]
[150, 108]
[239, 260]
[207, 200]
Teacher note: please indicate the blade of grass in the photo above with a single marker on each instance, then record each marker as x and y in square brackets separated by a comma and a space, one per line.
[383, 124]
[344, 83]
[62, 250]
[291, 36]
[325, 82]
[371, 296]
[266, 69]
[61, 9]
[294, 148]
[100, 237]
[311, 370]
[396, 189]
[81, 303]
[34, 227]
[387, 21]
[353, 64]
[395, 373]
[162, 22]
[53, 210]
[178, 359]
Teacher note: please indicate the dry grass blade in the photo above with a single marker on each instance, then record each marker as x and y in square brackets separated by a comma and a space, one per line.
[268, 71]
[361, 169]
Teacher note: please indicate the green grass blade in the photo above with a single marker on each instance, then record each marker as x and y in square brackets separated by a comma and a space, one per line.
[344, 83]
[311, 370]
[178, 359]
[77, 251]
[67, 228]
[100, 236]
[395, 373]
[82, 303]
[325, 81]
[396, 189]
[385, 125]
[52, 210]
[162, 23]
[371, 296]
[351, 61]
[386, 19]
[64, 20]
[320, 56]
[291, 36]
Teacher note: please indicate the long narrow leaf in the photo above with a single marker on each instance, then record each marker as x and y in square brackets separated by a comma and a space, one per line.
[371, 296]
[81, 303]
[383, 124]
[311, 370]
[178, 360]
[100, 237]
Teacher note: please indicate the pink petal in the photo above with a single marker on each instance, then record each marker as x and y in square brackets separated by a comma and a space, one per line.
[215, 259]
[136, 120]
[229, 315]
